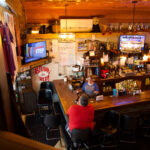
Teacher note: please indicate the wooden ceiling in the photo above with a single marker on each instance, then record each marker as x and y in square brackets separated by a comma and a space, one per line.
[45, 11]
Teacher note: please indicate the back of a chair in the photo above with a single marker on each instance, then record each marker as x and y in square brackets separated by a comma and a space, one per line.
[80, 135]
[111, 118]
[47, 85]
[45, 96]
[28, 104]
[128, 123]
[52, 121]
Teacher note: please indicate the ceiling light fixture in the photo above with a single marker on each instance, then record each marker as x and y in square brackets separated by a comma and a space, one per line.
[35, 31]
[66, 37]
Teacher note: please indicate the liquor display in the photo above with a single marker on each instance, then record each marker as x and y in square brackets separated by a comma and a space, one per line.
[128, 87]
[120, 64]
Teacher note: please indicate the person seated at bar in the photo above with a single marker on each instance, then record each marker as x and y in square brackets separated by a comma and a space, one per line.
[90, 87]
[81, 116]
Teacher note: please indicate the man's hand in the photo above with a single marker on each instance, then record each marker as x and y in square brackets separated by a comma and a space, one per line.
[78, 91]
[96, 92]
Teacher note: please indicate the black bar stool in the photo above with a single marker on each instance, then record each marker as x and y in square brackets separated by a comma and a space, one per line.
[110, 126]
[47, 85]
[45, 100]
[52, 123]
[128, 126]
[80, 138]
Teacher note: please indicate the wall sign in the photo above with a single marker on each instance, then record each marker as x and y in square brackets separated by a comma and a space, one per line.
[67, 53]
[42, 72]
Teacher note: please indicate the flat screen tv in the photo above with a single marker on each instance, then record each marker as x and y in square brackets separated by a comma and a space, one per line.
[131, 43]
[34, 51]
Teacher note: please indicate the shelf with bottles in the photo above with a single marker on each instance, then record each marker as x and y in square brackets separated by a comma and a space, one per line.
[129, 87]
[76, 82]
[147, 83]
[92, 66]
[23, 81]
[107, 89]
[91, 61]
[106, 85]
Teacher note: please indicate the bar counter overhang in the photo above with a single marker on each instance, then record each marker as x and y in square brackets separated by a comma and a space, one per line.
[133, 105]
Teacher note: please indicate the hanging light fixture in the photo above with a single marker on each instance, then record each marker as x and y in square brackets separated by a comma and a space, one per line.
[133, 25]
[66, 37]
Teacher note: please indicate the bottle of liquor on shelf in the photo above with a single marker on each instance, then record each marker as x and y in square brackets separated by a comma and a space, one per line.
[108, 46]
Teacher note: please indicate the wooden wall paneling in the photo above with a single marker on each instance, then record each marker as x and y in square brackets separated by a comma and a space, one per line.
[33, 37]
[1, 14]
[18, 12]
[4, 90]
[10, 118]
[41, 36]
[2, 119]
[16, 5]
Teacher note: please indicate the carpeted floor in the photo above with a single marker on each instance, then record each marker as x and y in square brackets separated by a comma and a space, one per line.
[37, 129]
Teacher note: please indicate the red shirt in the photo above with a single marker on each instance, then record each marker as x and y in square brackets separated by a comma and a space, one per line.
[81, 117]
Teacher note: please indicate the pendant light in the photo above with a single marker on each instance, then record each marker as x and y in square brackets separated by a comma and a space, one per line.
[66, 37]
[133, 26]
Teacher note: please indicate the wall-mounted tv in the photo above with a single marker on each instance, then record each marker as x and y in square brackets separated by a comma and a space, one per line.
[131, 43]
[34, 51]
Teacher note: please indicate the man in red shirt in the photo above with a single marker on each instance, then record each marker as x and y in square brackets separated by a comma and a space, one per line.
[81, 116]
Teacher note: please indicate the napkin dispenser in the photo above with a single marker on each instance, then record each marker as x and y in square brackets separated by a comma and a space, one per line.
[99, 97]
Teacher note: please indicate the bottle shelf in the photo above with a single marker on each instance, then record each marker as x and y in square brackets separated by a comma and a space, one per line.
[91, 66]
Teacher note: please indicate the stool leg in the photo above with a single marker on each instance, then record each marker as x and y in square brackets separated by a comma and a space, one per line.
[47, 133]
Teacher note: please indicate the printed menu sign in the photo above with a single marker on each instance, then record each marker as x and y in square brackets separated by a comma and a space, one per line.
[67, 53]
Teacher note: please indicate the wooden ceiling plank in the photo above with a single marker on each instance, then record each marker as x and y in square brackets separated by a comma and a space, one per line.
[112, 9]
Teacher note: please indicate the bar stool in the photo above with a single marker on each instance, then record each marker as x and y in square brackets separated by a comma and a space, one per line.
[47, 85]
[55, 98]
[110, 126]
[128, 126]
[145, 127]
[45, 99]
[52, 123]
[80, 138]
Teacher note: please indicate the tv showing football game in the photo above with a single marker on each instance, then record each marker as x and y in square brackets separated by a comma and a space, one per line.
[131, 43]
[34, 51]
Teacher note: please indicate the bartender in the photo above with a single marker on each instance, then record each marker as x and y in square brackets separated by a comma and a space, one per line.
[90, 87]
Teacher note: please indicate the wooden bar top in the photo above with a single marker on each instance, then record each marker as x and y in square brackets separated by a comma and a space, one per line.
[67, 98]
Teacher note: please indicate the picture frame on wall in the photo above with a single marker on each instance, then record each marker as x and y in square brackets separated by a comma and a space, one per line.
[86, 45]
[83, 45]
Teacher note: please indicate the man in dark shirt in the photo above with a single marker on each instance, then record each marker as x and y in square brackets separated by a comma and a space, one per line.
[81, 116]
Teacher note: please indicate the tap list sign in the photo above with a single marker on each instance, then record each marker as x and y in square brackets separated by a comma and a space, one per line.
[42, 72]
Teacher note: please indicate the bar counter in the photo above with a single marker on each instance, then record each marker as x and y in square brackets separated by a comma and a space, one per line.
[124, 104]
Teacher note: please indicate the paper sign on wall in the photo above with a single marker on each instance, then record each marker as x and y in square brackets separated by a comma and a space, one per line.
[105, 58]
[67, 53]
